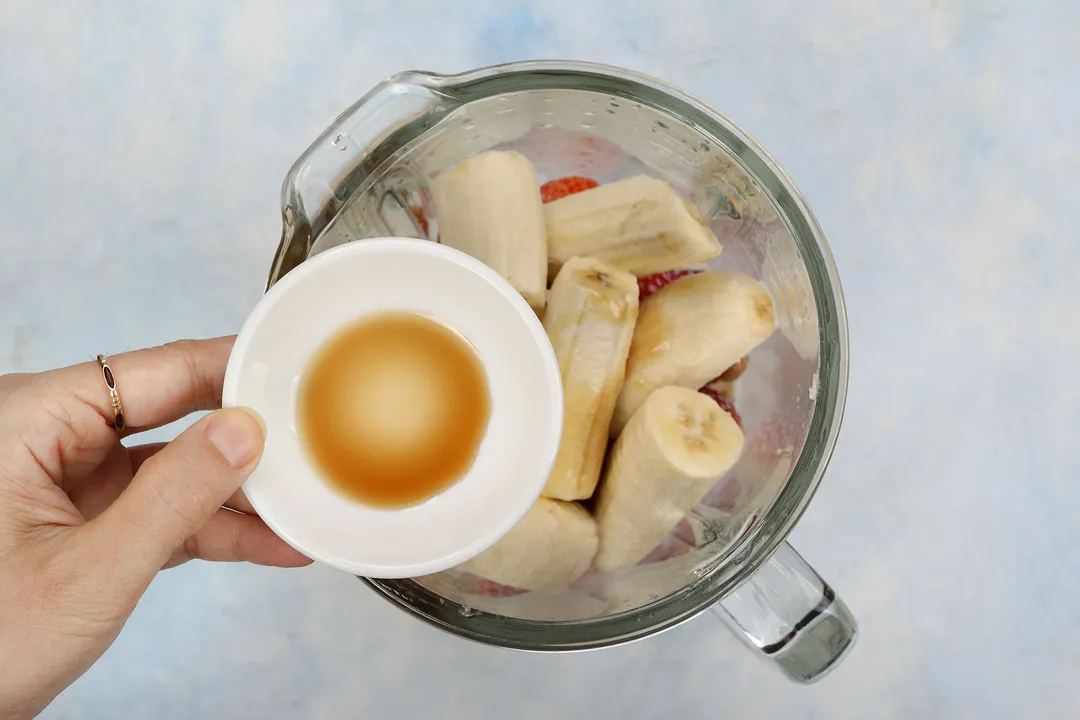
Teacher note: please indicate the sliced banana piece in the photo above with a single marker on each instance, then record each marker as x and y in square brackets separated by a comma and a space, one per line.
[690, 332]
[489, 206]
[640, 225]
[592, 308]
[551, 547]
[676, 446]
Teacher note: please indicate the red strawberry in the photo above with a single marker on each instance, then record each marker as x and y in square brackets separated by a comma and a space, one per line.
[725, 495]
[420, 217]
[723, 402]
[652, 283]
[476, 585]
[556, 189]
[494, 589]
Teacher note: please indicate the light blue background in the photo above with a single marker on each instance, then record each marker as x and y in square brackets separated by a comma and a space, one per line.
[142, 146]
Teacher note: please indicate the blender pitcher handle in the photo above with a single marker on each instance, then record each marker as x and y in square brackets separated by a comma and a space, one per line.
[788, 614]
[320, 184]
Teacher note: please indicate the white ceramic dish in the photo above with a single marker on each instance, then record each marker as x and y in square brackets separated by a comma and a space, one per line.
[339, 286]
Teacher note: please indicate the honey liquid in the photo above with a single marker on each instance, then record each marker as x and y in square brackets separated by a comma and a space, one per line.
[392, 409]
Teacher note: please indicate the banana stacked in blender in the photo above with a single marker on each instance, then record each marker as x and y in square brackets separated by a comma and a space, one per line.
[642, 339]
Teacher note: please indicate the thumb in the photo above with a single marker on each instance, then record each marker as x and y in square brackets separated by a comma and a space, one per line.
[177, 490]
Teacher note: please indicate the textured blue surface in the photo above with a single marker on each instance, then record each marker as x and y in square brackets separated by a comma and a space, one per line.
[142, 147]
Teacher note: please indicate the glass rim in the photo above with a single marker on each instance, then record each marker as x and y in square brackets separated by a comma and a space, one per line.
[743, 558]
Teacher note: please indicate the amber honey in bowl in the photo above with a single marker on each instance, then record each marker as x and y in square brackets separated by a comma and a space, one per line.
[392, 409]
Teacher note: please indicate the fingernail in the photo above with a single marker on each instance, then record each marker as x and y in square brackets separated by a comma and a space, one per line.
[237, 433]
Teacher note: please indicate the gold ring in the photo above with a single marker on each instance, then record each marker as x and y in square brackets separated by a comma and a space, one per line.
[114, 395]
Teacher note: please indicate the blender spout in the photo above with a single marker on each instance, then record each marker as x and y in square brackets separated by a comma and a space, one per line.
[357, 143]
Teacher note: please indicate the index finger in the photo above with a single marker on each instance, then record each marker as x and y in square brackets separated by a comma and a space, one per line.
[157, 385]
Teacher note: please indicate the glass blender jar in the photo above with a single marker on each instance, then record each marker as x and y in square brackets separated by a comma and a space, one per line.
[368, 176]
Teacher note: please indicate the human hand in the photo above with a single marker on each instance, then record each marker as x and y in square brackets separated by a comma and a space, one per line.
[86, 523]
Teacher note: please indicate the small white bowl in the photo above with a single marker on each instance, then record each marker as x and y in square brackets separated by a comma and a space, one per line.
[336, 288]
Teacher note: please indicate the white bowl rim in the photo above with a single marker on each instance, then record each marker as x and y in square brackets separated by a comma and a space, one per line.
[553, 379]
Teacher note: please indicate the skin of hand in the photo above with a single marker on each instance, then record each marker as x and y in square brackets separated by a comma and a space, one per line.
[86, 522]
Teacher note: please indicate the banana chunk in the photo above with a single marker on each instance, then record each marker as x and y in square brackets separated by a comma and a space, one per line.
[592, 308]
[489, 206]
[640, 225]
[676, 446]
[690, 332]
[551, 547]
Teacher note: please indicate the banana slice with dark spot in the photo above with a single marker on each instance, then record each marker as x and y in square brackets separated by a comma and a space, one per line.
[592, 308]
[639, 224]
